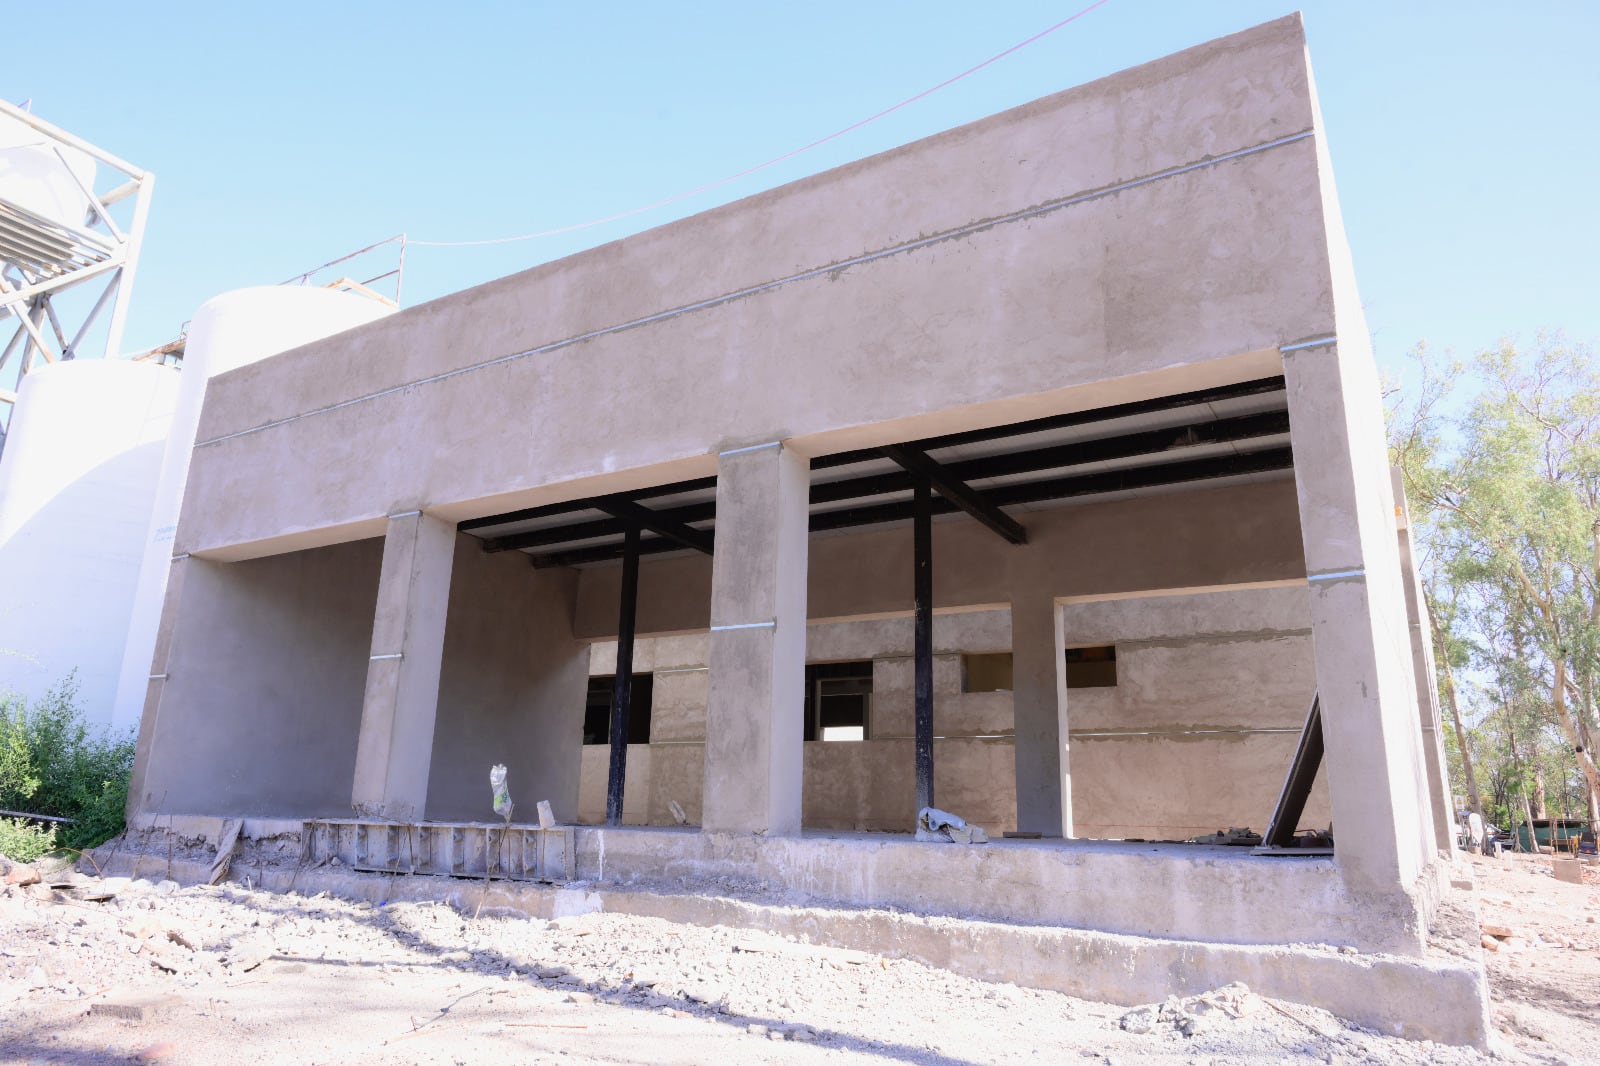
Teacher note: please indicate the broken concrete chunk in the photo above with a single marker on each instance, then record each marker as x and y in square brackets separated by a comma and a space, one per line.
[1139, 1021]
[22, 874]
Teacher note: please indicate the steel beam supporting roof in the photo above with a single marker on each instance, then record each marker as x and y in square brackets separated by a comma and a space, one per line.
[1235, 431]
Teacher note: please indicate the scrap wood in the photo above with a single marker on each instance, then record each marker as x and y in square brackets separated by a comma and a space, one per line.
[227, 841]
[417, 1028]
[1292, 1016]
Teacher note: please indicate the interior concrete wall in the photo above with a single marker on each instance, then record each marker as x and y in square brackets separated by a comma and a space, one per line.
[847, 784]
[265, 665]
[639, 361]
[510, 689]
[1197, 735]
[1199, 731]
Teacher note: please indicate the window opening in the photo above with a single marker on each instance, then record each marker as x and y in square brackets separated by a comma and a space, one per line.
[838, 700]
[1092, 667]
[986, 672]
[597, 709]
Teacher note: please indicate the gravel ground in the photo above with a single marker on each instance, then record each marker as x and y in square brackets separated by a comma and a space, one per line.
[161, 973]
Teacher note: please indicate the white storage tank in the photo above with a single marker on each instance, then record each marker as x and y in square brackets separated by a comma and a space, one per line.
[229, 331]
[77, 481]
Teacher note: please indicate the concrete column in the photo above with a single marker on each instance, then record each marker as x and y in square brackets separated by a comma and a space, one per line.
[140, 801]
[1382, 827]
[1433, 755]
[754, 714]
[402, 694]
[1039, 695]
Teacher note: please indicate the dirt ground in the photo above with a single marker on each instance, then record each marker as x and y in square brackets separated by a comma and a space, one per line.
[1545, 977]
[157, 973]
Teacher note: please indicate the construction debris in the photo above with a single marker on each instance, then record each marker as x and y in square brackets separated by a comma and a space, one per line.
[946, 828]
[227, 842]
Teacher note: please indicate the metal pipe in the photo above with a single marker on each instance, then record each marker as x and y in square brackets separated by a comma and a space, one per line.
[922, 553]
[622, 687]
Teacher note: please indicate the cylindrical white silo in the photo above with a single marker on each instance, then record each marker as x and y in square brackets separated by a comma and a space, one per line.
[229, 331]
[77, 480]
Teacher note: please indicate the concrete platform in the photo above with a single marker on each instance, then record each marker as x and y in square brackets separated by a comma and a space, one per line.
[1437, 998]
[1178, 891]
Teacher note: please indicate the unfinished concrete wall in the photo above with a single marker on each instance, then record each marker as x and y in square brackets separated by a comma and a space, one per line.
[1148, 233]
[265, 664]
[510, 689]
[1197, 734]
[849, 785]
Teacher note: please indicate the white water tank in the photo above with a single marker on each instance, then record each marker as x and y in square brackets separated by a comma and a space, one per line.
[229, 331]
[42, 176]
[77, 481]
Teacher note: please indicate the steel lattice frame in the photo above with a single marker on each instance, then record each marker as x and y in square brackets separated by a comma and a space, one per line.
[42, 258]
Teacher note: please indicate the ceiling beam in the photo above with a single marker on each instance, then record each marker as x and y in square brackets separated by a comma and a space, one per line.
[1127, 446]
[551, 510]
[1141, 477]
[657, 522]
[916, 462]
[602, 553]
[1200, 397]
[598, 527]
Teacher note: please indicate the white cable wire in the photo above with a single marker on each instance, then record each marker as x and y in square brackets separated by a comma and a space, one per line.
[771, 162]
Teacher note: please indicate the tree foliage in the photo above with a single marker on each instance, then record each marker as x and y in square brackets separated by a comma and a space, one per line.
[53, 763]
[1501, 458]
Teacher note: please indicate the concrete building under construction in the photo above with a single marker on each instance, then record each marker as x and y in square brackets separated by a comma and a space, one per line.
[1034, 471]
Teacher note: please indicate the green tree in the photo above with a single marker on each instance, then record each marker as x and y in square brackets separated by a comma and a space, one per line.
[1508, 491]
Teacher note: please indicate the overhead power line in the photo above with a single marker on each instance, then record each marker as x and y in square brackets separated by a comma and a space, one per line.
[776, 159]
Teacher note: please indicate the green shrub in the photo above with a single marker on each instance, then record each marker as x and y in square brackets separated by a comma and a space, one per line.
[23, 841]
[53, 762]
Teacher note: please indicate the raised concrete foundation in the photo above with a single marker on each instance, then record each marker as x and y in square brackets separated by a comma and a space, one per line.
[1440, 998]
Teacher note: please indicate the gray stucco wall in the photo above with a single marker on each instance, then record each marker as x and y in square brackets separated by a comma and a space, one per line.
[261, 707]
[977, 277]
[1198, 733]
[510, 689]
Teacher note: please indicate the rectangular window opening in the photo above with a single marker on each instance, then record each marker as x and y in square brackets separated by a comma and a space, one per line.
[1094, 667]
[597, 709]
[838, 703]
[986, 672]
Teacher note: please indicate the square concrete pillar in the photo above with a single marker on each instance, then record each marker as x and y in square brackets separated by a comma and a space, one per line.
[402, 695]
[1039, 697]
[1382, 824]
[755, 727]
[140, 801]
[1423, 670]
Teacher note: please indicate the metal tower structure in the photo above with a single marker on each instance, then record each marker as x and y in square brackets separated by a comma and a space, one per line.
[64, 258]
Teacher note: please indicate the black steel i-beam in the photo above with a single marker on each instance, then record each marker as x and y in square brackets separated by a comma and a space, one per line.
[922, 555]
[915, 461]
[622, 689]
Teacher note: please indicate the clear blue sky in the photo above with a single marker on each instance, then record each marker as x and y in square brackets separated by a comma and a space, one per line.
[1465, 136]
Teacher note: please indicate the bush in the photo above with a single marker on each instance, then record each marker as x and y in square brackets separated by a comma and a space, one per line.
[53, 762]
[23, 841]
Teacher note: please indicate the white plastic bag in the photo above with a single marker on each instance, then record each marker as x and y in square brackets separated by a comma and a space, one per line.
[502, 796]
